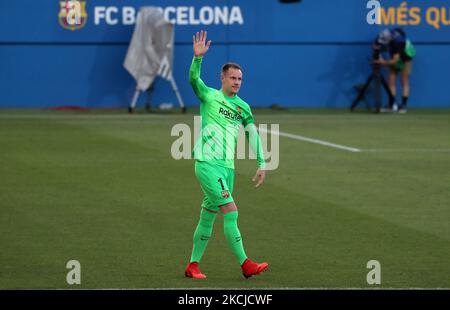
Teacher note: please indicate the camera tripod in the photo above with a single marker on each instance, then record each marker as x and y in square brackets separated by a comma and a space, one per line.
[379, 79]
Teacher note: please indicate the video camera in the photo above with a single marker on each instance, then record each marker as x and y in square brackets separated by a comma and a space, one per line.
[378, 80]
[376, 54]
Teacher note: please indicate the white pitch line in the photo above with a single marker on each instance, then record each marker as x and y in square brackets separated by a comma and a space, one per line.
[311, 140]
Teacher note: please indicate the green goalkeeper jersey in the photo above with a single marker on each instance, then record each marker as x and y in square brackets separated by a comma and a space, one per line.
[222, 117]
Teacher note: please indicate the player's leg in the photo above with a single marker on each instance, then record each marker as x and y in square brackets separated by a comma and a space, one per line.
[233, 235]
[392, 77]
[204, 228]
[231, 231]
[203, 231]
[210, 179]
[405, 74]
[201, 237]
[230, 216]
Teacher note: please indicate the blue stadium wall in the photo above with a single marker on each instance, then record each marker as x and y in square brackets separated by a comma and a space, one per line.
[306, 54]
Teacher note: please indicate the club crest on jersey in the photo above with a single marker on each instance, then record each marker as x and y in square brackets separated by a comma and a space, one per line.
[72, 14]
[225, 194]
[239, 110]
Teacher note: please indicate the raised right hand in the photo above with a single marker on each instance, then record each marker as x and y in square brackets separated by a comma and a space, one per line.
[199, 44]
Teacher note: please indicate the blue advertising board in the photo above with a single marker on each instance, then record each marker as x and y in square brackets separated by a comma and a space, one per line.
[310, 54]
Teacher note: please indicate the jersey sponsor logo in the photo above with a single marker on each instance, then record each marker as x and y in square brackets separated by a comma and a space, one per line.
[230, 115]
[225, 194]
[72, 14]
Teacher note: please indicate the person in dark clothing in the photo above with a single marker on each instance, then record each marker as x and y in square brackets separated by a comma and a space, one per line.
[402, 52]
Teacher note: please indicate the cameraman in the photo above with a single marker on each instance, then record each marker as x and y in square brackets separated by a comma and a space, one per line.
[402, 52]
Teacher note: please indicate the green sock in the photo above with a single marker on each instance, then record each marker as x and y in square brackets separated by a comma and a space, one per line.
[233, 235]
[202, 234]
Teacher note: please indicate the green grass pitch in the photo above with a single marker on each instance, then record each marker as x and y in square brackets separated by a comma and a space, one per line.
[103, 189]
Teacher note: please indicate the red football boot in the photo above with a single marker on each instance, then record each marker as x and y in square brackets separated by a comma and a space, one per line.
[192, 271]
[250, 268]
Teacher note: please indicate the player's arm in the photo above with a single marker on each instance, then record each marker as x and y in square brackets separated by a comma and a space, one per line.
[393, 60]
[396, 51]
[255, 144]
[200, 48]
[389, 62]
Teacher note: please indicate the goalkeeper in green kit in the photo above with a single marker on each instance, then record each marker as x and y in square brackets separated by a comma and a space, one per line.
[222, 112]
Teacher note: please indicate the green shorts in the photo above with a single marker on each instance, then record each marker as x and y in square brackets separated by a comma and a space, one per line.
[217, 184]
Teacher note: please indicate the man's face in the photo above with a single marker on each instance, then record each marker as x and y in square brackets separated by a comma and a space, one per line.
[231, 81]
